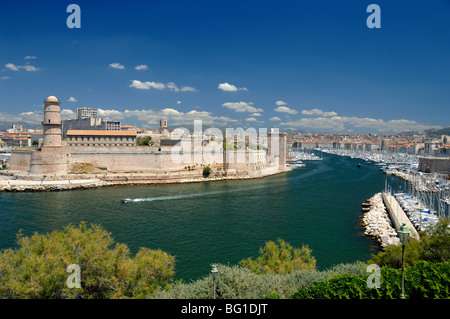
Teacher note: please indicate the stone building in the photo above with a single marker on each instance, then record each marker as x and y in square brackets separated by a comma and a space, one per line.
[101, 138]
[163, 127]
[440, 165]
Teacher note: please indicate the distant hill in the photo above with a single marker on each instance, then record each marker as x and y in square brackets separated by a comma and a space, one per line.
[432, 132]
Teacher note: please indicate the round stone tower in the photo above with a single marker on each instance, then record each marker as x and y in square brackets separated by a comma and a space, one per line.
[52, 123]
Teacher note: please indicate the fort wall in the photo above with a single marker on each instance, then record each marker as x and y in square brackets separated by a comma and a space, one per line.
[20, 161]
[434, 165]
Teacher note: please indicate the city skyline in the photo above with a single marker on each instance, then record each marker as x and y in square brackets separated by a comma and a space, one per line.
[295, 65]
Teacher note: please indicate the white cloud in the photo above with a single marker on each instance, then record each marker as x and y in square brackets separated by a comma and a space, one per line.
[275, 118]
[116, 66]
[226, 119]
[9, 117]
[188, 89]
[230, 87]
[11, 66]
[147, 85]
[160, 86]
[4, 77]
[279, 103]
[251, 119]
[27, 67]
[343, 123]
[143, 117]
[318, 112]
[171, 86]
[72, 99]
[285, 109]
[256, 114]
[319, 123]
[175, 117]
[242, 107]
[170, 112]
[141, 67]
[178, 102]
[34, 117]
[67, 114]
[30, 57]
[112, 115]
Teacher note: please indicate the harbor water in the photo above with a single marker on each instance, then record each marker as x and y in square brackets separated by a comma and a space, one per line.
[217, 222]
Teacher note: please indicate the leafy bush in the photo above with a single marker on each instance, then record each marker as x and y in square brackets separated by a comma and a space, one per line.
[143, 141]
[38, 268]
[280, 258]
[422, 281]
[206, 171]
[240, 283]
[436, 242]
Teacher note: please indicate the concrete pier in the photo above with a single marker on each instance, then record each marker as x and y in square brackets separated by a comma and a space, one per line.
[397, 215]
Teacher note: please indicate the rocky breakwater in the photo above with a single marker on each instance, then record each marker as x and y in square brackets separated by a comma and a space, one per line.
[377, 223]
[28, 186]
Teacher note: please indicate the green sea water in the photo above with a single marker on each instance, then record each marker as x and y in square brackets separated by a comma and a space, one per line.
[217, 222]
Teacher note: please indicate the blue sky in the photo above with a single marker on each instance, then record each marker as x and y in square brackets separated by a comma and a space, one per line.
[300, 65]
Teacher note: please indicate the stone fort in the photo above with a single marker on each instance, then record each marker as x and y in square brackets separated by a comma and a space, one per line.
[110, 154]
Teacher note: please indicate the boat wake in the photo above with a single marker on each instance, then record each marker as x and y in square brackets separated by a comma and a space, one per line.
[183, 196]
[173, 197]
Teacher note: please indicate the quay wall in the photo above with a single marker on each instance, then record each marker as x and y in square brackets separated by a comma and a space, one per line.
[397, 215]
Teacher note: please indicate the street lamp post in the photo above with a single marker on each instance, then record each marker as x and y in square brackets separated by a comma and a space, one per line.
[214, 272]
[403, 233]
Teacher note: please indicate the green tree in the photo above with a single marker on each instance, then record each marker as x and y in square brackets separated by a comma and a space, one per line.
[434, 246]
[143, 141]
[392, 255]
[38, 267]
[424, 280]
[207, 171]
[436, 242]
[280, 258]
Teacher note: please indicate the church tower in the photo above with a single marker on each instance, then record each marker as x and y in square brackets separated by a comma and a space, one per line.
[163, 127]
[51, 125]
